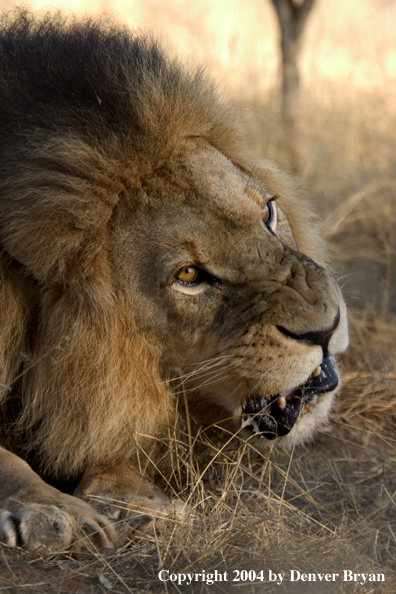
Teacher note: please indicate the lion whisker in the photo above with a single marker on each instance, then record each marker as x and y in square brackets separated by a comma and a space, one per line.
[209, 382]
[215, 362]
[207, 374]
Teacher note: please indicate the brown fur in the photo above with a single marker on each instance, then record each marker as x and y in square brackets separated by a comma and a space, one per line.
[117, 168]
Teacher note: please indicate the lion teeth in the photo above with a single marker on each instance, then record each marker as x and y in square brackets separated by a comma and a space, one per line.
[316, 372]
[281, 402]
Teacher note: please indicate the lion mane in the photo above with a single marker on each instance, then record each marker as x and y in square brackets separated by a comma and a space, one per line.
[123, 175]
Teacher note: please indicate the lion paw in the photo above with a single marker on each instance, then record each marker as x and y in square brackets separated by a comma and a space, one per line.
[48, 528]
[136, 508]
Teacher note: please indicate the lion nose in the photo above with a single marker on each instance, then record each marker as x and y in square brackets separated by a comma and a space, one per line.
[316, 338]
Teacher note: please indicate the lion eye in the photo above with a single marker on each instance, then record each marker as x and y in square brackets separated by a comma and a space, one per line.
[269, 215]
[188, 275]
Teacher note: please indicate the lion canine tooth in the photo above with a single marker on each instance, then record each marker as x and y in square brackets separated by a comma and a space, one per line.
[281, 402]
[316, 372]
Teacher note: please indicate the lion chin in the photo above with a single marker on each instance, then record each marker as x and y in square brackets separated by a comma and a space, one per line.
[148, 263]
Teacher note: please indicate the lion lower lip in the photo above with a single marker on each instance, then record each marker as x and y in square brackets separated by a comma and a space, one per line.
[274, 416]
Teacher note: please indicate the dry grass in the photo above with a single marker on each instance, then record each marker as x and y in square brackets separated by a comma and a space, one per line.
[331, 505]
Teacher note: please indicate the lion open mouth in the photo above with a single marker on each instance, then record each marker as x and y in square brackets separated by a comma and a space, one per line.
[275, 416]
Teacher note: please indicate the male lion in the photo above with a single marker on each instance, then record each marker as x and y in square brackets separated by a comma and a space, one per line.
[145, 257]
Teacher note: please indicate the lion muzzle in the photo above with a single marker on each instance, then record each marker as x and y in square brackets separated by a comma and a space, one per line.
[275, 415]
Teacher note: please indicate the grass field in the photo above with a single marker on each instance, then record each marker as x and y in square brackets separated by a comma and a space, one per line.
[330, 506]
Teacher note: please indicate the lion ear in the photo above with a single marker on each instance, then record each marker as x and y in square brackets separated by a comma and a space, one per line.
[55, 213]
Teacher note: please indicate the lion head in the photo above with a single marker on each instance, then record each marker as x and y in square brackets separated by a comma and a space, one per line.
[147, 256]
[249, 324]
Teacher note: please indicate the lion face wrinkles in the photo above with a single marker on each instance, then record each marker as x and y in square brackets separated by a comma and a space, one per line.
[245, 321]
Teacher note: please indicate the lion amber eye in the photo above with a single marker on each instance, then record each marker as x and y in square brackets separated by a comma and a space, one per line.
[188, 274]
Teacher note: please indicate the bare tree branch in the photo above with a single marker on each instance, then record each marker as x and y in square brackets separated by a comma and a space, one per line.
[292, 17]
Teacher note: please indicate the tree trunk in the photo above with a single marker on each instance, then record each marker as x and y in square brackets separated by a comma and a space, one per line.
[292, 16]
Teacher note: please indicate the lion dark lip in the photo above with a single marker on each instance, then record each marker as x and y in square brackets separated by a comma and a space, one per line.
[267, 417]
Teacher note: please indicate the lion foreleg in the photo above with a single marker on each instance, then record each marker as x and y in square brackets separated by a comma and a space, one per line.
[120, 492]
[39, 517]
